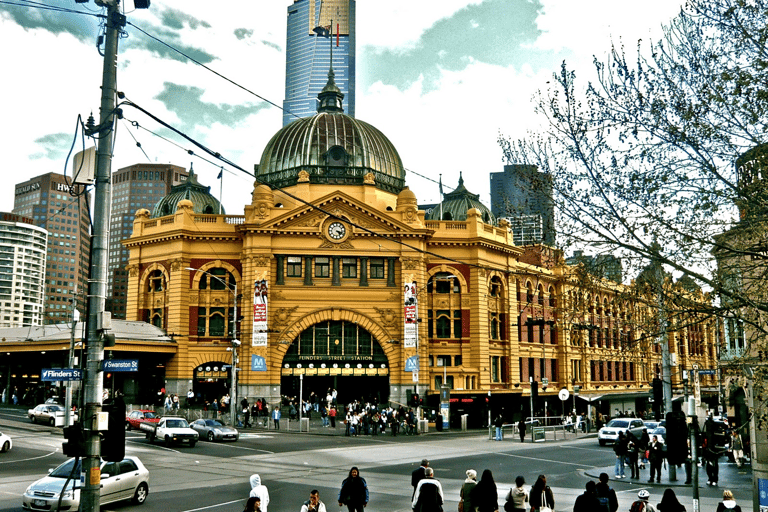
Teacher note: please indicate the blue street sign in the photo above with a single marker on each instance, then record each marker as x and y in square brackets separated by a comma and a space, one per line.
[258, 364]
[412, 364]
[120, 365]
[707, 372]
[61, 374]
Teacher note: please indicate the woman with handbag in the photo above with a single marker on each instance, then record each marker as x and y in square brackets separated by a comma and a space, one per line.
[517, 497]
[466, 504]
[541, 498]
[485, 496]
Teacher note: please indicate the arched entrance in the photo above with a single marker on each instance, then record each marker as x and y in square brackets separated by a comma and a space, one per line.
[211, 381]
[340, 355]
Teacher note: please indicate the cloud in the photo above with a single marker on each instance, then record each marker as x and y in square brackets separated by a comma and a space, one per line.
[242, 33]
[53, 145]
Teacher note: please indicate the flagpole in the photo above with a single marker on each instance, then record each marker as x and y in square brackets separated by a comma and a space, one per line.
[221, 187]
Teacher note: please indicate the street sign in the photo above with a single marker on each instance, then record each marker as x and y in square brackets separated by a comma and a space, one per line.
[415, 376]
[576, 390]
[412, 364]
[563, 394]
[61, 374]
[120, 365]
[707, 372]
[258, 363]
[545, 382]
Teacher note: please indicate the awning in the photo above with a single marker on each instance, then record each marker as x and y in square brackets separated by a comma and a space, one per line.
[590, 398]
[615, 396]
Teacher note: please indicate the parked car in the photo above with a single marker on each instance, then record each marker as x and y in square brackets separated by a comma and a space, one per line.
[610, 432]
[214, 430]
[5, 442]
[125, 480]
[134, 418]
[51, 414]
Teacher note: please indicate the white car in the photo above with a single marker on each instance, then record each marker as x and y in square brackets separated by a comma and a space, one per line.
[125, 480]
[49, 414]
[610, 432]
[5, 443]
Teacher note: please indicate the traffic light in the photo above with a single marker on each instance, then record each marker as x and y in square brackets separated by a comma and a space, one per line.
[415, 400]
[74, 446]
[534, 390]
[677, 438]
[113, 441]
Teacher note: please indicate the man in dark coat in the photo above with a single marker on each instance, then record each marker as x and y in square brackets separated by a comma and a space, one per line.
[428, 496]
[418, 474]
[603, 490]
[587, 502]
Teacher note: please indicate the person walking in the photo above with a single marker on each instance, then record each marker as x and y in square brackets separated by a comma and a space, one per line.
[418, 474]
[728, 504]
[521, 430]
[259, 490]
[669, 502]
[428, 496]
[517, 495]
[609, 502]
[485, 496]
[466, 492]
[587, 502]
[246, 412]
[642, 446]
[354, 491]
[655, 457]
[711, 461]
[541, 495]
[641, 504]
[632, 455]
[313, 504]
[737, 448]
[332, 416]
[620, 449]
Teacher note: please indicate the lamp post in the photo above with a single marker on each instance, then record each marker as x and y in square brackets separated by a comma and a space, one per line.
[235, 344]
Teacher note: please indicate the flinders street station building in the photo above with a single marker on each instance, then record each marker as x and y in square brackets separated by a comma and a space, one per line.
[332, 277]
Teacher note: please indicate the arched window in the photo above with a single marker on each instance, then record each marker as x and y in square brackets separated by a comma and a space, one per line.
[215, 314]
[445, 322]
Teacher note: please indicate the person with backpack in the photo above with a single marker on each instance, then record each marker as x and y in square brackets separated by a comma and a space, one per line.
[606, 496]
[642, 505]
[587, 502]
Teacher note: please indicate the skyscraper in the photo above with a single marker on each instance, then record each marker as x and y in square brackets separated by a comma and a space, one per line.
[313, 26]
[54, 205]
[523, 195]
[133, 187]
[22, 271]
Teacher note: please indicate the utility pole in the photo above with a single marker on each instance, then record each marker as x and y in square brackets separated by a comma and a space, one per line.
[97, 281]
[666, 362]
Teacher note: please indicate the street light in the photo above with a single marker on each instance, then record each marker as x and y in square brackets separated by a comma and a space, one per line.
[235, 344]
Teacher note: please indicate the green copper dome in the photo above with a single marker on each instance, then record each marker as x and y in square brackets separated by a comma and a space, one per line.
[455, 205]
[332, 148]
[200, 195]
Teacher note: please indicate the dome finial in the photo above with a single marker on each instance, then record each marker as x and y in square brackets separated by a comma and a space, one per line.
[330, 98]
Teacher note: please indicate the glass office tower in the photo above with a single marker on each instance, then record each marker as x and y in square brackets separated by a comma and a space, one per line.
[313, 26]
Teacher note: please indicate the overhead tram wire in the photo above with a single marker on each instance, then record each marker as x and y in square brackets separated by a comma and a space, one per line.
[222, 158]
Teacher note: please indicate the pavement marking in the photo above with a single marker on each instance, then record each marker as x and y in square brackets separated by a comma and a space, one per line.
[30, 458]
[545, 460]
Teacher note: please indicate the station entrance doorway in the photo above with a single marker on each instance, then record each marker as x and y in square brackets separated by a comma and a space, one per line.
[340, 355]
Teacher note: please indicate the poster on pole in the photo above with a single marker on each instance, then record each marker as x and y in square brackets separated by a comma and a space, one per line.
[260, 296]
[410, 315]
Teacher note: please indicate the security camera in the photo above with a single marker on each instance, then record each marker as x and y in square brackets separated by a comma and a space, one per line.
[236, 343]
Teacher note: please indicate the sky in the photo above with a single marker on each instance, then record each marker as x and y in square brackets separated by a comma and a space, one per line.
[440, 78]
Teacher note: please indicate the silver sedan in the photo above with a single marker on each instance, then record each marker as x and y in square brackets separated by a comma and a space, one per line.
[214, 430]
[50, 414]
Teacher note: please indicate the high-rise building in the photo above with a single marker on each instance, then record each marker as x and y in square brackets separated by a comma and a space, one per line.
[523, 195]
[23, 248]
[315, 29]
[59, 207]
[134, 187]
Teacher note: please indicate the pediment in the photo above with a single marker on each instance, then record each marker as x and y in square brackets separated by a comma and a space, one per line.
[359, 215]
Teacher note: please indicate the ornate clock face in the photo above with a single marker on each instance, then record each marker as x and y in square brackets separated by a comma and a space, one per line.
[336, 230]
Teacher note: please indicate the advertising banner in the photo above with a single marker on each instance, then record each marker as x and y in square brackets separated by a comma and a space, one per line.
[260, 295]
[410, 316]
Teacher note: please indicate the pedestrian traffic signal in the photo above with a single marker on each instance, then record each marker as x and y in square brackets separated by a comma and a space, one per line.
[74, 446]
[658, 397]
[677, 437]
[534, 390]
[113, 440]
